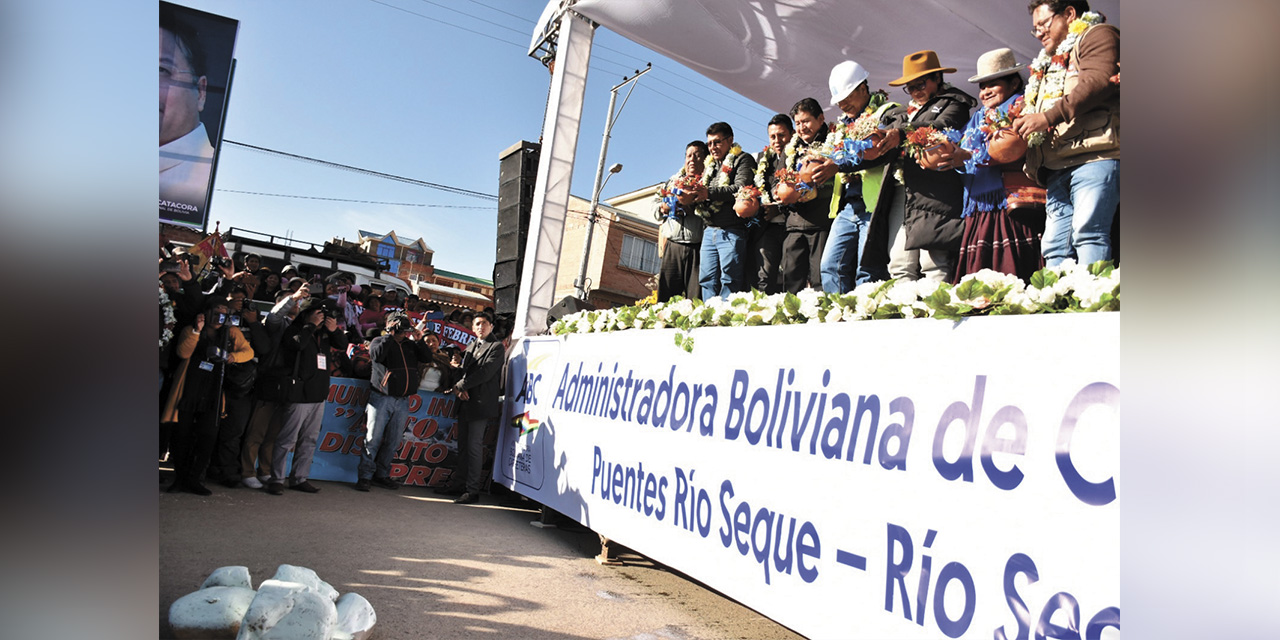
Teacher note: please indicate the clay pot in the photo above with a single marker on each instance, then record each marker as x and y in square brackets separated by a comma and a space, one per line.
[1006, 146]
[931, 157]
[746, 208]
[786, 194]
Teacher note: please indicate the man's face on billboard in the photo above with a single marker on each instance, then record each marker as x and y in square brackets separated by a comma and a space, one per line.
[182, 93]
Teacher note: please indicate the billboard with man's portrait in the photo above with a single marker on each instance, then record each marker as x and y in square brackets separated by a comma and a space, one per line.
[196, 57]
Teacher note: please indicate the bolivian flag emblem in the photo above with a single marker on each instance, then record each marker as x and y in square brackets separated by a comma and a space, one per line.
[526, 423]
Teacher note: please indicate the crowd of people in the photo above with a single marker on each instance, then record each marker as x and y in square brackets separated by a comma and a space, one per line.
[246, 358]
[937, 187]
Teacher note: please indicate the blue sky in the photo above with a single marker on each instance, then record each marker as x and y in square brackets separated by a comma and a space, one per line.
[432, 91]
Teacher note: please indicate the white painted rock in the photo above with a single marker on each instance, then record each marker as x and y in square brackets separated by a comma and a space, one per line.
[289, 611]
[307, 577]
[355, 616]
[212, 612]
[228, 577]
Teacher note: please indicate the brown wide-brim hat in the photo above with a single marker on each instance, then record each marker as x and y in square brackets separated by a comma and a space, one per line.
[920, 63]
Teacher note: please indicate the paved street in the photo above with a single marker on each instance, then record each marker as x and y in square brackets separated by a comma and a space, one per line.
[434, 569]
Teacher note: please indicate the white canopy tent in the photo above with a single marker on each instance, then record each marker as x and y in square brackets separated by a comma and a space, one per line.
[774, 53]
[778, 52]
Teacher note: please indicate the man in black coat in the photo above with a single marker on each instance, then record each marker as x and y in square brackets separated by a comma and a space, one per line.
[304, 358]
[394, 358]
[477, 390]
[808, 222]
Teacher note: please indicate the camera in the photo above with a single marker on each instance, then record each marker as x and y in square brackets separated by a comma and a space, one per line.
[170, 266]
[228, 318]
[330, 312]
[219, 261]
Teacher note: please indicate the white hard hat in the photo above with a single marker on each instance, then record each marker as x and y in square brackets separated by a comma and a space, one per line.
[845, 77]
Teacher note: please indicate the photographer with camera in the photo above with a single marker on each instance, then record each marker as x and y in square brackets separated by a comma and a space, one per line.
[238, 386]
[206, 347]
[395, 357]
[302, 372]
[268, 409]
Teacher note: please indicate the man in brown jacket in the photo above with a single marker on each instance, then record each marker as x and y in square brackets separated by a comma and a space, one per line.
[1072, 122]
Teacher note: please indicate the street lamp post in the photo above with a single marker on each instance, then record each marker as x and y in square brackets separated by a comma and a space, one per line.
[580, 284]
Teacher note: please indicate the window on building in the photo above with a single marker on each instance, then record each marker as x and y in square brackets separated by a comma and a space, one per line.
[386, 250]
[473, 289]
[413, 257]
[639, 254]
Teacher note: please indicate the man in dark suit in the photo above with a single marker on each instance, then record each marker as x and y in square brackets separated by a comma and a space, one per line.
[477, 390]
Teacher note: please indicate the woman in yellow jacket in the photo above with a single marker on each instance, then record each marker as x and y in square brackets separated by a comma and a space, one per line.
[205, 348]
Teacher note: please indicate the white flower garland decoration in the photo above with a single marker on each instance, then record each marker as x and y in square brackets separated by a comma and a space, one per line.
[1067, 288]
[166, 328]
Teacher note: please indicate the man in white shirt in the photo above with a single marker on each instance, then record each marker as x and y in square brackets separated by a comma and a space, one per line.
[186, 157]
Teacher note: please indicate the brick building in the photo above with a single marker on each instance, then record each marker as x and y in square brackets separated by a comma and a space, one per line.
[406, 258]
[623, 264]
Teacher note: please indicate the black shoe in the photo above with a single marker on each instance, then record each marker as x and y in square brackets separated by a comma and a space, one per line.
[362, 484]
[387, 483]
[230, 483]
[467, 498]
[305, 487]
[197, 488]
[275, 489]
[449, 491]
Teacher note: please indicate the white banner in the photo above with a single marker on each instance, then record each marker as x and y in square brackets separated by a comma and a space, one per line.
[883, 479]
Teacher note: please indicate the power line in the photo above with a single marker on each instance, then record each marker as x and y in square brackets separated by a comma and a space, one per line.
[700, 80]
[398, 204]
[501, 11]
[473, 17]
[369, 172]
[450, 24]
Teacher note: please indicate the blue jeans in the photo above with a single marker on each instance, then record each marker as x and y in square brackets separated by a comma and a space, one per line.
[842, 257]
[1082, 202]
[384, 425]
[720, 270]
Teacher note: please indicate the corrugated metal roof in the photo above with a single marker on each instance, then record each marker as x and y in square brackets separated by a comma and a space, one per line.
[463, 277]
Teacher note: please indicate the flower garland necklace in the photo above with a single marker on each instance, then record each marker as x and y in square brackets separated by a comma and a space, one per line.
[791, 149]
[1048, 79]
[726, 169]
[766, 161]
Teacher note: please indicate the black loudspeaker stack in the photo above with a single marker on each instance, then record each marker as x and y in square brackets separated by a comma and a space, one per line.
[517, 172]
